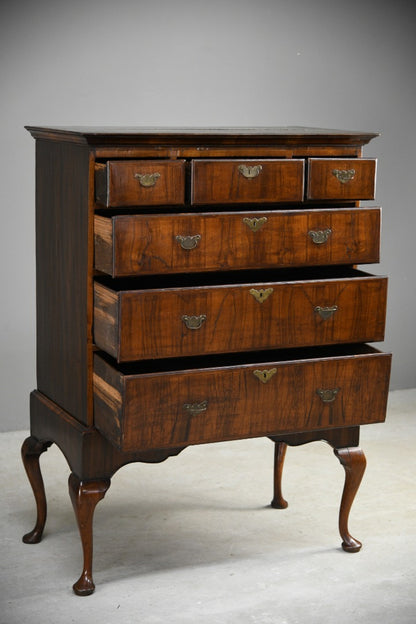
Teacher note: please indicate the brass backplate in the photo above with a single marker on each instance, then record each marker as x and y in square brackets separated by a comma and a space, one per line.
[264, 375]
[262, 294]
[255, 223]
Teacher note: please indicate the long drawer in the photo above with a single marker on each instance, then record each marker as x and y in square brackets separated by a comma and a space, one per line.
[128, 245]
[139, 320]
[191, 402]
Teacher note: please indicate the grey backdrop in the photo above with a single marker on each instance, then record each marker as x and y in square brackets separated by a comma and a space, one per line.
[326, 63]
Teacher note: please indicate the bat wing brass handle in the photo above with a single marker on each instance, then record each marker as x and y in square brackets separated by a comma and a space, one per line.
[147, 179]
[264, 375]
[250, 171]
[320, 236]
[194, 322]
[255, 223]
[188, 242]
[327, 395]
[196, 408]
[325, 312]
[343, 175]
[262, 294]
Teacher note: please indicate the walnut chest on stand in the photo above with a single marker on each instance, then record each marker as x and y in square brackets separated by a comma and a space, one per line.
[197, 285]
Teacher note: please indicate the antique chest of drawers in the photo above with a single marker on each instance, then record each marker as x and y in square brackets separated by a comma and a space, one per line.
[201, 285]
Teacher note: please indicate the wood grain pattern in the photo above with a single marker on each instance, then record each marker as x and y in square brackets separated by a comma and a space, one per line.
[117, 183]
[323, 184]
[220, 182]
[62, 275]
[239, 405]
[129, 245]
[103, 244]
[148, 323]
[106, 317]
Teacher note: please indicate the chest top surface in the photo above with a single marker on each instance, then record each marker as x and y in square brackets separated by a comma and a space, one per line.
[294, 135]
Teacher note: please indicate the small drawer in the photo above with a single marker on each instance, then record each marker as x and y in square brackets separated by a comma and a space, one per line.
[196, 401]
[247, 181]
[347, 179]
[140, 183]
[171, 317]
[128, 245]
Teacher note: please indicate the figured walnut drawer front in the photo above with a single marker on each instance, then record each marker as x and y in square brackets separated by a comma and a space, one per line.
[129, 245]
[172, 322]
[140, 182]
[348, 179]
[247, 181]
[144, 410]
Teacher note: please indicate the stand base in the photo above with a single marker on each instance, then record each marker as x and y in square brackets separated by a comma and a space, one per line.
[93, 461]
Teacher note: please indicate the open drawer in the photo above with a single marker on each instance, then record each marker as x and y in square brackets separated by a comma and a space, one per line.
[176, 316]
[163, 404]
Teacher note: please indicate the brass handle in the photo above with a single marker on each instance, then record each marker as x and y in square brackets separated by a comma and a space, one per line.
[320, 236]
[255, 223]
[147, 179]
[343, 175]
[325, 312]
[327, 395]
[264, 375]
[250, 171]
[262, 294]
[195, 408]
[194, 322]
[188, 242]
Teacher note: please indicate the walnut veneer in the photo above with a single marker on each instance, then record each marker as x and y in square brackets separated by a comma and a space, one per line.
[200, 285]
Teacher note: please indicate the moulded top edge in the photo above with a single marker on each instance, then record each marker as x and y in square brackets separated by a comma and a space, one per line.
[114, 135]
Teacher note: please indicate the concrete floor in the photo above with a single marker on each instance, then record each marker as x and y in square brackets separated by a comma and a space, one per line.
[193, 540]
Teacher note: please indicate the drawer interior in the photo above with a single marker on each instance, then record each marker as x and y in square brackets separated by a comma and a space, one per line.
[231, 277]
[226, 360]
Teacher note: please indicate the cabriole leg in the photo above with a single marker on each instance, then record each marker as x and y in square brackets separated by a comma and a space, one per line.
[32, 448]
[84, 496]
[354, 462]
[278, 501]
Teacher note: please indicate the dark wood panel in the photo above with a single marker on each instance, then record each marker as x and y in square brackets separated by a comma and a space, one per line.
[154, 323]
[223, 182]
[337, 179]
[146, 244]
[62, 275]
[196, 406]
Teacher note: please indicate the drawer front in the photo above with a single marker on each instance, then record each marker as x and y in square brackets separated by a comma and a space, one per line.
[140, 183]
[247, 181]
[335, 179]
[145, 244]
[207, 405]
[173, 322]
